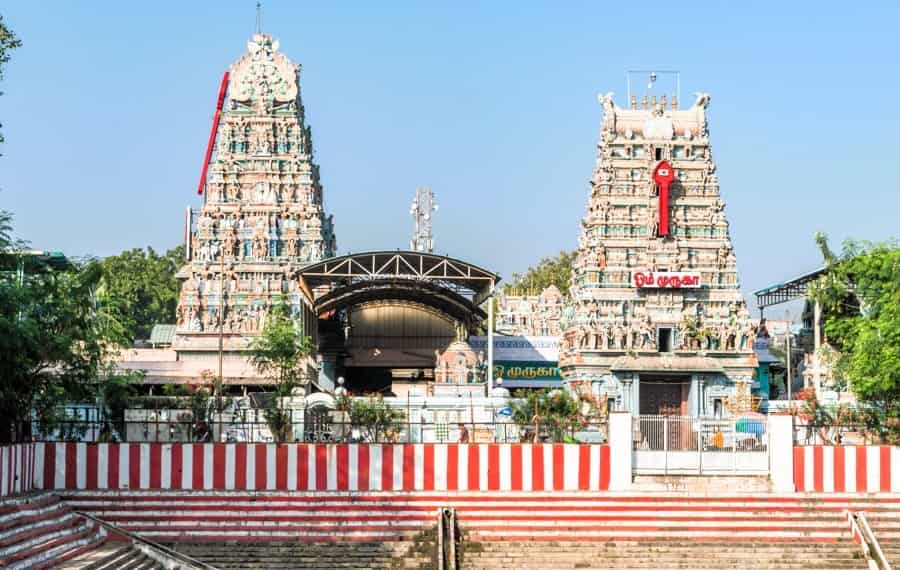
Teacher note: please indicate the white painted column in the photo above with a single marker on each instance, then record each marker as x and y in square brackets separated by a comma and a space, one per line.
[620, 451]
[781, 452]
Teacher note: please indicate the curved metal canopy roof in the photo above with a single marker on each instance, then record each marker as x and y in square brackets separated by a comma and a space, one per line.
[460, 277]
[426, 293]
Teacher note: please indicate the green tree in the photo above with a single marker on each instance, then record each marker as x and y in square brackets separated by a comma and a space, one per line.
[53, 346]
[8, 42]
[860, 298]
[555, 413]
[548, 271]
[280, 353]
[142, 287]
[373, 417]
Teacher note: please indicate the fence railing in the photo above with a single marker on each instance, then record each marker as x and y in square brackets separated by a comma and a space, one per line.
[696, 445]
[689, 433]
[299, 425]
[838, 434]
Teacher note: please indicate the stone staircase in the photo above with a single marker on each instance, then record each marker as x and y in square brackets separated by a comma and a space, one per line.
[393, 555]
[509, 530]
[660, 555]
[39, 531]
[886, 526]
[113, 556]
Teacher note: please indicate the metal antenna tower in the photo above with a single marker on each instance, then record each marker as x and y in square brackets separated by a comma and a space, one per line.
[422, 207]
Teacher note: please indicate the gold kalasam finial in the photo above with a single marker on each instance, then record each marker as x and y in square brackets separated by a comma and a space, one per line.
[662, 102]
[644, 102]
[633, 102]
[653, 102]
[674, 102]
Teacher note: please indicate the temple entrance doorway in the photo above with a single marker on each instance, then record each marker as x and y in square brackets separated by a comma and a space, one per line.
[664, 395]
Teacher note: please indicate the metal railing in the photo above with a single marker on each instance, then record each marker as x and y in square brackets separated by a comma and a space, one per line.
[862, 534]
[837, 434]
[159, 552]
[685, 444]
[688, 433]
[313, 425]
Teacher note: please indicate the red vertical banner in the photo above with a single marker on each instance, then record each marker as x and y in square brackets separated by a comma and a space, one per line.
[212, 135]
[663, 175]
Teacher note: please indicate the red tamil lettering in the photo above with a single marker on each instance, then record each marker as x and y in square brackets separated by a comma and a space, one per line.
[643, 279]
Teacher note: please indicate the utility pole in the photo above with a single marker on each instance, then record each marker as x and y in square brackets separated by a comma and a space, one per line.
[422, 207]
[221, 311]
[789, 380]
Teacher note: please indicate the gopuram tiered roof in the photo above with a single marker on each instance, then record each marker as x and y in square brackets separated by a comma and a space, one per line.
[262, 216]
[655, 293]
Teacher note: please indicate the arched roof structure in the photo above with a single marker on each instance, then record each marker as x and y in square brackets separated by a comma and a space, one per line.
[452, 285]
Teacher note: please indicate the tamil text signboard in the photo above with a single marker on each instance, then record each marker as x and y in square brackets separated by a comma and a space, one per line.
[666, 279]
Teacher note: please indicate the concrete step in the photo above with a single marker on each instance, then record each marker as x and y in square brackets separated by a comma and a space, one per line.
[40, 531]
[702, 484]
[51, 553]
[44, 506]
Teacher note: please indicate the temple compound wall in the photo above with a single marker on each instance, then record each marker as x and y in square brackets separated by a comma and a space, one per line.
[262, 216]
[656, 322]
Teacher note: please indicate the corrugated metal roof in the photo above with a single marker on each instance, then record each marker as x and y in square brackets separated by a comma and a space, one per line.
[162, 334]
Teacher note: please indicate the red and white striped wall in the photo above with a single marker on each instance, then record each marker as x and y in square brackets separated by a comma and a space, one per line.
[323, 467]
[850, 469]
[16, 468]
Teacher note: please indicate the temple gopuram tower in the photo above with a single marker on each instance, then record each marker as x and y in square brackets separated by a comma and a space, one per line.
[262, 216]
[656, 322]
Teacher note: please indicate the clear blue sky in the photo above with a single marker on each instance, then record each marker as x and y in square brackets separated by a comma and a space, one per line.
[107, 109]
